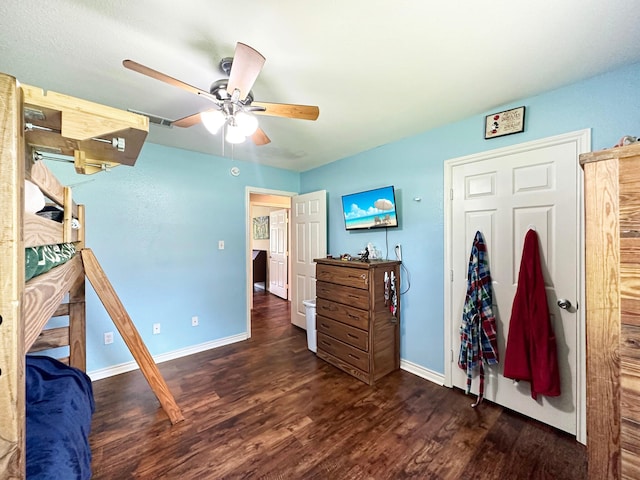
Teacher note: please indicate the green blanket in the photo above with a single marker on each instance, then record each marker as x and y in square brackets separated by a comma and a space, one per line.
[42, 259]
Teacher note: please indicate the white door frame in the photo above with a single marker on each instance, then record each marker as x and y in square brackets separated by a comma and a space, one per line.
[582, 138]
[248, 258]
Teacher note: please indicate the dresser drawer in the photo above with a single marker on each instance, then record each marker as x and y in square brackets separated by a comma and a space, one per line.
[343, 313]
[350, 277]
[356, 297]
[344, 352]
[345, 333]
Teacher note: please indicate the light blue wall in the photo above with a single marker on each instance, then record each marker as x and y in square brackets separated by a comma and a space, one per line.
[155, 230]
[155, 227]
[608, 104]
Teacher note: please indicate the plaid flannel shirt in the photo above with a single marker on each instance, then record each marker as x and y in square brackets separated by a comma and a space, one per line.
[478, 339]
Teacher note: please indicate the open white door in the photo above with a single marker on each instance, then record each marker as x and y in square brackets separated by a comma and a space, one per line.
[278, 262]
[308, 241]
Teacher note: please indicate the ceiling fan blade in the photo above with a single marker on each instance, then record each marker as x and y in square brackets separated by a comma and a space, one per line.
[246, 66]
[186, 122]
[260, 138]
[304, 112]
[150, 72]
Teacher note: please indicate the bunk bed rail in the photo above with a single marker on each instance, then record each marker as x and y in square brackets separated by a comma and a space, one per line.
[12, 392]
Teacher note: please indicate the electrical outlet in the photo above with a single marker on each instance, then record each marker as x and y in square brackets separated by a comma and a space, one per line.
[194, 321]
[156, 328]
[108, 338]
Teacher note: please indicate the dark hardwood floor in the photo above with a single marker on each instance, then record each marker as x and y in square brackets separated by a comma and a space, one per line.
[267, 408]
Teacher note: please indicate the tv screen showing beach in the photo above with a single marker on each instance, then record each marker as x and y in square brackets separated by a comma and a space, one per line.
[371, 209]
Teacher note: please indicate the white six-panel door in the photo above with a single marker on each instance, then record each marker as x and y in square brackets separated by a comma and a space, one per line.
[308, 241]
[278, 253]
[504, 194]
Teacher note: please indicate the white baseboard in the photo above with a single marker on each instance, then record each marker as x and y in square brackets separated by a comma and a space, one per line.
[406, 365]
[422, 372]
[129, 366]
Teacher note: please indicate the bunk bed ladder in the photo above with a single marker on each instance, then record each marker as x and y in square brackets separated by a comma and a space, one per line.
[130, 335]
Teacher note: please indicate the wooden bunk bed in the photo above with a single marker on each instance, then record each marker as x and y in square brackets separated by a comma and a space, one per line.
[95, 137]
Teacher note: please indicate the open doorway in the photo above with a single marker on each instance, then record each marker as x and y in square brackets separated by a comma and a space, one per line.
[267, 227]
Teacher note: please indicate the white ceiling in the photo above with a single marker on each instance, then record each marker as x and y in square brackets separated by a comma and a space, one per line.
[380, 70]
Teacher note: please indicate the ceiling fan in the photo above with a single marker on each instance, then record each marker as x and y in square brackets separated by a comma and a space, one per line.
[233, 102]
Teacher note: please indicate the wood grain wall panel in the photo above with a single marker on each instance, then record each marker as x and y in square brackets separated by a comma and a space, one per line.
[629, 279]
[630, 373]
[629, 178]
[630, 250]
[612, 262]
[629, 313]
[630, 453]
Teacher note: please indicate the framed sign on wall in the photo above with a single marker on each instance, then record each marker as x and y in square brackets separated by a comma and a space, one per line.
[504, 123]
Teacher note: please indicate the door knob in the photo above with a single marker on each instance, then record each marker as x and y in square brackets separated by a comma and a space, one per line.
[564, 303]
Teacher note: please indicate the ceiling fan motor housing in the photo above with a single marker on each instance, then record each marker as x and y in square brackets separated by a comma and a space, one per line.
[219, 90]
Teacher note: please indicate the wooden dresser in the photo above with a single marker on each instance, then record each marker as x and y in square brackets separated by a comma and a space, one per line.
[358, 331]
[612, 216]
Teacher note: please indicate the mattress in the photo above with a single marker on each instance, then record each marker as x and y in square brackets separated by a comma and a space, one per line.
[39, 260]
[59, 407]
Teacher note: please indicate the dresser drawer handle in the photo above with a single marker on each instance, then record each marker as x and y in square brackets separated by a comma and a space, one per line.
[354, 356]
[355, 317]
[352, 335]
[325, 343]
[325, 325]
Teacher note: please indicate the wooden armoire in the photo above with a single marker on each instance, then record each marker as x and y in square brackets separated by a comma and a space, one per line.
[612, 246]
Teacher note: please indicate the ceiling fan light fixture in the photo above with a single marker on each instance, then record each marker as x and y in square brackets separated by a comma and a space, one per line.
[234, 134]
[247, 123]
[213, 120]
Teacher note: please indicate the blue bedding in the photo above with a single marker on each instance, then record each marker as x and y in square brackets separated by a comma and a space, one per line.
[60, 404]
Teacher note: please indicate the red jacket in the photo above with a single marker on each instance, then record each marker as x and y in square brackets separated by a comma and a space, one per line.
[531, 352]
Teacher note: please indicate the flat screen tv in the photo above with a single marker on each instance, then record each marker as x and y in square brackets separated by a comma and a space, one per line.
[371, 209]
